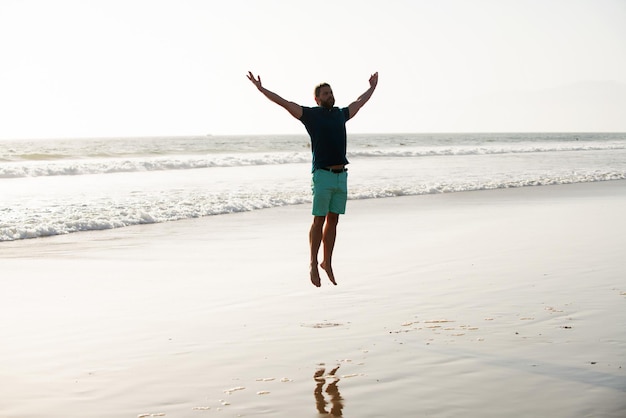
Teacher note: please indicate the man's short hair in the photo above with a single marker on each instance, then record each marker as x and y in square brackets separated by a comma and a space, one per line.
[319, 87]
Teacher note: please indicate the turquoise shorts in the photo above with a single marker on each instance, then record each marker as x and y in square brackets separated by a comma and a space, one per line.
[330, 192]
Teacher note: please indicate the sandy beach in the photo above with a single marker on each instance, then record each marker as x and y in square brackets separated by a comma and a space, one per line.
[503, 303]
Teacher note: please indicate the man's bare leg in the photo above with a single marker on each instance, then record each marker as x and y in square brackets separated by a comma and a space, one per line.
[328, 237]
[315, 240]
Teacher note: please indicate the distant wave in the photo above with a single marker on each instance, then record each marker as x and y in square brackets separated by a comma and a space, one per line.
[84, 167]
[18, 169]
[485, 150]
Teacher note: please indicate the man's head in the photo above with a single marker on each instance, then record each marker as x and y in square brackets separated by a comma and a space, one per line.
[324, 96]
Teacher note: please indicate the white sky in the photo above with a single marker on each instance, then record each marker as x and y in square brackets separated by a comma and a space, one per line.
[94, 68]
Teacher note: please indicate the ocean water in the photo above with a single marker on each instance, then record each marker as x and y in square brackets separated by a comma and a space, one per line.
[51, 187]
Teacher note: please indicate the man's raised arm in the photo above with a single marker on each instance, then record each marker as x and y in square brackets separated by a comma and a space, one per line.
[293, 108]
[358, 103]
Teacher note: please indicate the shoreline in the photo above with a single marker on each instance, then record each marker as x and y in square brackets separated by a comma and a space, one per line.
[480, 304]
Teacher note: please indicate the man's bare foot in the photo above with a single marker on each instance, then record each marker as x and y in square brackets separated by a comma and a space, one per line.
[315, 275]
[329, 272]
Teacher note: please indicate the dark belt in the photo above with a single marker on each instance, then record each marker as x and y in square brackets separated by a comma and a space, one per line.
[334, 170]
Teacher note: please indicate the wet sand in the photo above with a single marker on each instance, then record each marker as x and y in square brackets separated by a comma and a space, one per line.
[479, 304]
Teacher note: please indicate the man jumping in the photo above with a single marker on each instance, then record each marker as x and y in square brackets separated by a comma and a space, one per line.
[326, 125]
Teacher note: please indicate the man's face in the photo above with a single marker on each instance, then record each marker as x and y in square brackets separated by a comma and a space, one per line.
[326, 98]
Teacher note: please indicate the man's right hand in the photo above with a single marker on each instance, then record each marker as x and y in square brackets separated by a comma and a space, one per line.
[256, 81]
[293, 108]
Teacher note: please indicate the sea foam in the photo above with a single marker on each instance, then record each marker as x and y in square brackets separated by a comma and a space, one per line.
[59, 187]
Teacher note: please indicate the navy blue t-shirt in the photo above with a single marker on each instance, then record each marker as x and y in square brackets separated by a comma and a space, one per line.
[327, 129]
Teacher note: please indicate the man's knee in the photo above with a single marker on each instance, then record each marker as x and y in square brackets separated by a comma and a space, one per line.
[318, 221]
[332, 218]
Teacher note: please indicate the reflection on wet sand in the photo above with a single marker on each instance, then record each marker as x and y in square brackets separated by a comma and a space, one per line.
[336, 404]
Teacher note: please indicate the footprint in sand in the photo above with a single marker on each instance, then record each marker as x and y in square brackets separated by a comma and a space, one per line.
[322, 325]
[235, 389]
